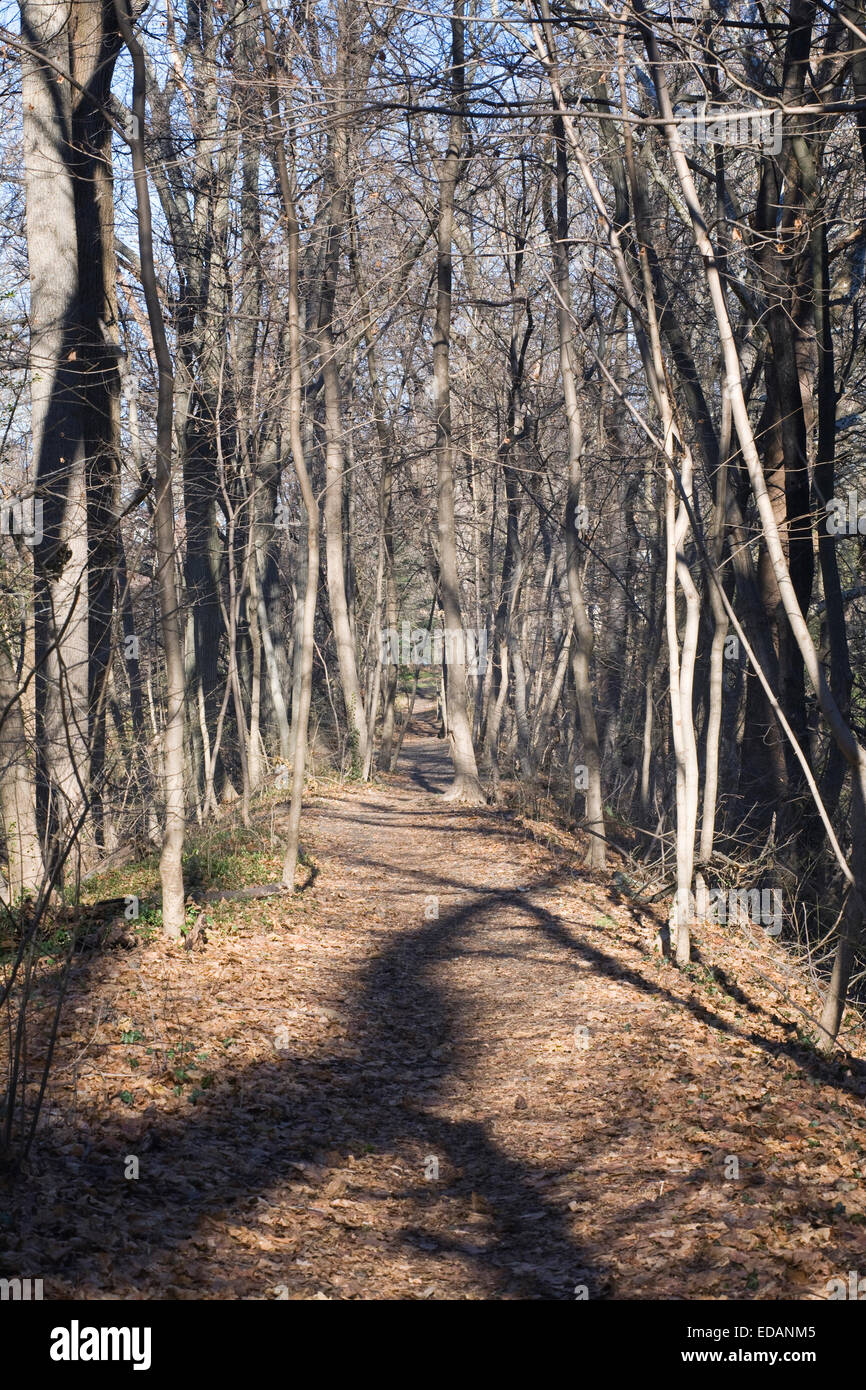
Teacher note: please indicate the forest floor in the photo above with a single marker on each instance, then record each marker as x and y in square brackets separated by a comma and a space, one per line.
[452, 1067]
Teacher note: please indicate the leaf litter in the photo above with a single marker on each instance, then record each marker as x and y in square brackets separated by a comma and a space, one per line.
[452, 1067]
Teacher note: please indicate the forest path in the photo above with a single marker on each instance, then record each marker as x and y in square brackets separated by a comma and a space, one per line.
[452, 1067]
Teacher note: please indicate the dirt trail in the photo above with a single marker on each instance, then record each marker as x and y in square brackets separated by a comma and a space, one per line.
[454, 1069]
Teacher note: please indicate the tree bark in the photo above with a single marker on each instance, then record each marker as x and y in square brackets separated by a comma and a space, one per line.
[582, 650]
[17, 790]
[171, 859]
[57, 426]
[466, 786]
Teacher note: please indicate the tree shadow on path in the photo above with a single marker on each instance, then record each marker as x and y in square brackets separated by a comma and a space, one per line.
[379, 1093]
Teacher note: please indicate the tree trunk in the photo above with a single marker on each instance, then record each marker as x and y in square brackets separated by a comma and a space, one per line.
[301, 717]
[171, 859]
[582, 652]
[56, 421]
[17, 791]
[466, 786]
